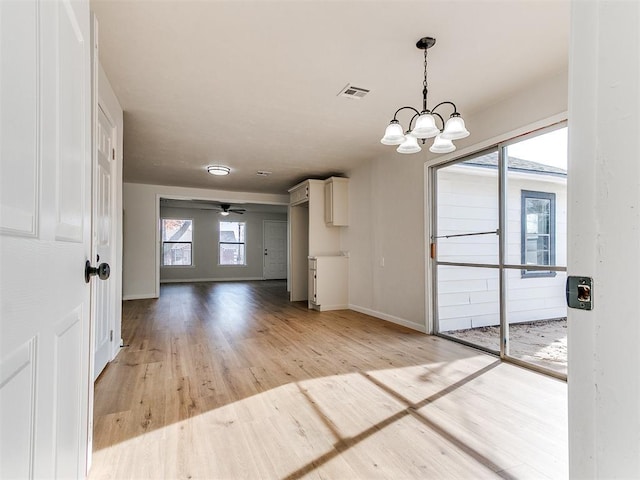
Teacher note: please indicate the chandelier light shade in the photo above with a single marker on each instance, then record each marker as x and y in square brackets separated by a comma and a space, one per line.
[442, 145]
[426, 123]
[410, 145]
[393, 135]
[454, 129]
[219, 170]
[425, 126]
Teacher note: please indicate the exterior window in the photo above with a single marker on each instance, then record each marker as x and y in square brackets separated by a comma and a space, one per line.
[538, 232]
[177, 236]
[232, 243]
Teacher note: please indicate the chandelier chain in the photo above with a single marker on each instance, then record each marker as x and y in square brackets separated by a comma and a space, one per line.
[424, 83]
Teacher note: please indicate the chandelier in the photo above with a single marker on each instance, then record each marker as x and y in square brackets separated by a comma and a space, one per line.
[423, 124]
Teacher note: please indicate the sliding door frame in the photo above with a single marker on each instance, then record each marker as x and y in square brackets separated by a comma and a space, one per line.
[501, 265]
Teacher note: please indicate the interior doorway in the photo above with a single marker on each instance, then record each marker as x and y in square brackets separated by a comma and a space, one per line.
[499, 249]
[207, 240]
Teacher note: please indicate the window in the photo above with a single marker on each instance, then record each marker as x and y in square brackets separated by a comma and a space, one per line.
[177, 236]
[538, 231]
[232, 243]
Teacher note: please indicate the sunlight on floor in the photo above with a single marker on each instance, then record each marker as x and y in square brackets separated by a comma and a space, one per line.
[355, 425]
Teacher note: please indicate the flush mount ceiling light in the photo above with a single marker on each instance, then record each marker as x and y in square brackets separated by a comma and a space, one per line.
[425, 125]
[218, 170]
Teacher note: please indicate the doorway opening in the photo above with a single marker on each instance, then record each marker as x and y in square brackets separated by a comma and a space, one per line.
[499, 249]
[205, 240]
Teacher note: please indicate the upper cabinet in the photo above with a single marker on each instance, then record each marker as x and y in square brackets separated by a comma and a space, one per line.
[299, 194]
[336, 201]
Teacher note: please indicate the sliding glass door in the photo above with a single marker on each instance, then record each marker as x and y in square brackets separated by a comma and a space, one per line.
[498, 249]
[466, 249]
[536, 249]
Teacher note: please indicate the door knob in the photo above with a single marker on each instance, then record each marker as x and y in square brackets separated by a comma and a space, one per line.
[102, 271]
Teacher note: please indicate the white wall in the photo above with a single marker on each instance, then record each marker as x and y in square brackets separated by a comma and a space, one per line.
[141, 213]
[385, 239]
[604, 239]
[513, 115]
[107, 99]
[387, 206]
[204, 251]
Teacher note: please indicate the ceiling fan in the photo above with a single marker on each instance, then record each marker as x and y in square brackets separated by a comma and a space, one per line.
[225, 209]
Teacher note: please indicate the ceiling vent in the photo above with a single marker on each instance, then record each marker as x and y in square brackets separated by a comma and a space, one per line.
[353, 92]
[263, 173]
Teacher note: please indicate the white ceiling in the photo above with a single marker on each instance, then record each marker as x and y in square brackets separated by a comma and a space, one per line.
[253, 84]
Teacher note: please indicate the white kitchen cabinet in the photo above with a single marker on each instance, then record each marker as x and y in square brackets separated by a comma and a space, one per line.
[309, 234]
[299, 194]
[328, 283]
[336, 201]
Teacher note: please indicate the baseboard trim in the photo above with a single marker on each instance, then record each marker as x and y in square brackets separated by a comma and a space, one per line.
[196, 280]
[327, 308]
[389, 318]
[143, 296]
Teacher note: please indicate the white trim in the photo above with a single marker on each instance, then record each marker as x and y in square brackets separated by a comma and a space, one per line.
[428, 264]
[389, 318]
[222, 196]
[326, 308]
[192, 280]
[141, 296]
[158, 248]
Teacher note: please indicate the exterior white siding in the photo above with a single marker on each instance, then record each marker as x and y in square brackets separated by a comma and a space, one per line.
[468, 297]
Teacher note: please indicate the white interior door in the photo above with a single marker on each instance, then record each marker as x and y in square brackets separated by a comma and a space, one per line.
[275, 249]
[103, 239]
[45, 238]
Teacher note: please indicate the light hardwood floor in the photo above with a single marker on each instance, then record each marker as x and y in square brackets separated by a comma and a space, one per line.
[231, 381]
